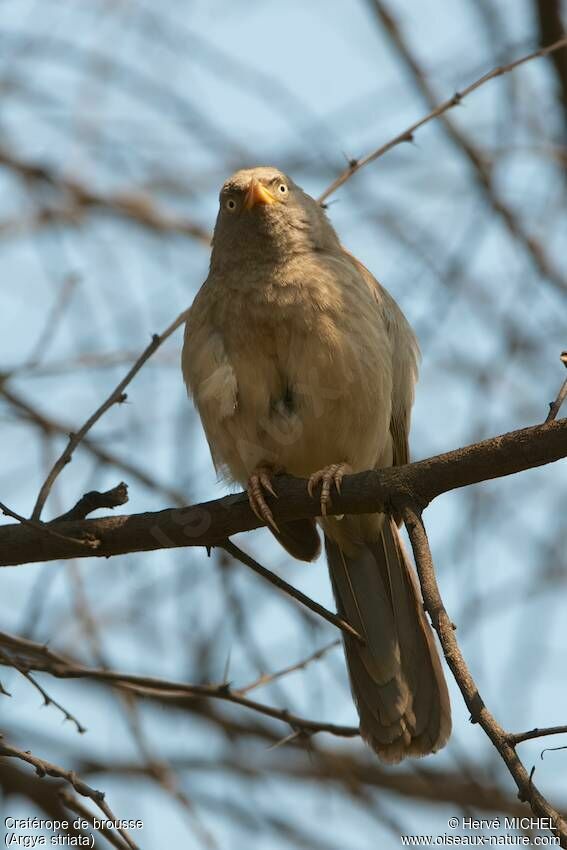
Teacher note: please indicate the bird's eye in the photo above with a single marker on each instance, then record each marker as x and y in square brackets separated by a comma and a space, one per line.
[230, 204]
[282, 189]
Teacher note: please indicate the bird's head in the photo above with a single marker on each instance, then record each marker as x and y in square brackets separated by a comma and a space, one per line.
[263, 215]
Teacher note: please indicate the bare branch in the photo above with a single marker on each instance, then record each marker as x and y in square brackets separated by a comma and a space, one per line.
[76, 806]
[337, 621]
[479, 713]
[212, 523]
[268, 678]
[63, 668]
[407, 134]
[518, 737]
[94, 500]
[117, 396]
[18, 665]
[134, 206]
[45, 768]
[89, 542]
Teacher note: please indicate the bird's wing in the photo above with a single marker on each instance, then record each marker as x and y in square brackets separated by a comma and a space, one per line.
[405, 363]
[207, 372]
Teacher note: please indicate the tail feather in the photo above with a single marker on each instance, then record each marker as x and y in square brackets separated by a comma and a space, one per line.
[396, 678]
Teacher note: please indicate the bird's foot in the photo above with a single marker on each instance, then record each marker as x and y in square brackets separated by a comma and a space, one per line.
[328, 476]
[260, 480]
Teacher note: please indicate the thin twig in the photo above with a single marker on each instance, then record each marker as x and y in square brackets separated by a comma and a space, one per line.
[50, 425]
[455, 100]
[52, 321]
[518, 737]
[76, 806]
[479, 712]
[63, 668]
[21, 667]
[292, 591]
[485, 178]
[117, 396]
[268, 678]
[555, 406]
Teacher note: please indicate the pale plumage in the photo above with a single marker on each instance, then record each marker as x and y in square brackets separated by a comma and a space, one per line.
[297, 359]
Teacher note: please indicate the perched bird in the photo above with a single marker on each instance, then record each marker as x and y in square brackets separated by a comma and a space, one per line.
[300, 362]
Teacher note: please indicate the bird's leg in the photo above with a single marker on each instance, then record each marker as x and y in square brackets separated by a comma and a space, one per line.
[328, 476]
[260, 480]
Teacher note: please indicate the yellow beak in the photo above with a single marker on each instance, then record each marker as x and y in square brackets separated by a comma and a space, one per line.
[257, 194]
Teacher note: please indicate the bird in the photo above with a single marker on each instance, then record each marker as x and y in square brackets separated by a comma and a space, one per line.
[299, 362]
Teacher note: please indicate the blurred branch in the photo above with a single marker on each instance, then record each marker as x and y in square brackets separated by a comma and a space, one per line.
[551, 28]
[479, 713]
[355, 775]
[78, 198]
[355, 772]
[45, 660]
[212, 523]
[22, 668]
[52, 321]
[162, 774]
[44, 768]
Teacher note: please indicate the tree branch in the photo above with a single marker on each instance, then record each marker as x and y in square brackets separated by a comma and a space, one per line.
[555, 406]
[282, 585]
[551, 28]
[49, 425]
[407, 134]
[64, 668]
[211, 523]
[527, 791]
[94, 500]
[541, 259]
[77, 199]
[117, 396]
[45, 768]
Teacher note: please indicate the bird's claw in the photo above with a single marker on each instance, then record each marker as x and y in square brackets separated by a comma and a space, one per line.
[259, 481]
[328, 476]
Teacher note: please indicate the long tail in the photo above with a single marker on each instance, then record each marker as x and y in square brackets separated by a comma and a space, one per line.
[396, 679]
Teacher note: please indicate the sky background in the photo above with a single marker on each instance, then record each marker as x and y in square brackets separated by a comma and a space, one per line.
[165, 100]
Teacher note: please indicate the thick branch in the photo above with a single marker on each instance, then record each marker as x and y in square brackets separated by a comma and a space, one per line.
[211, 523]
